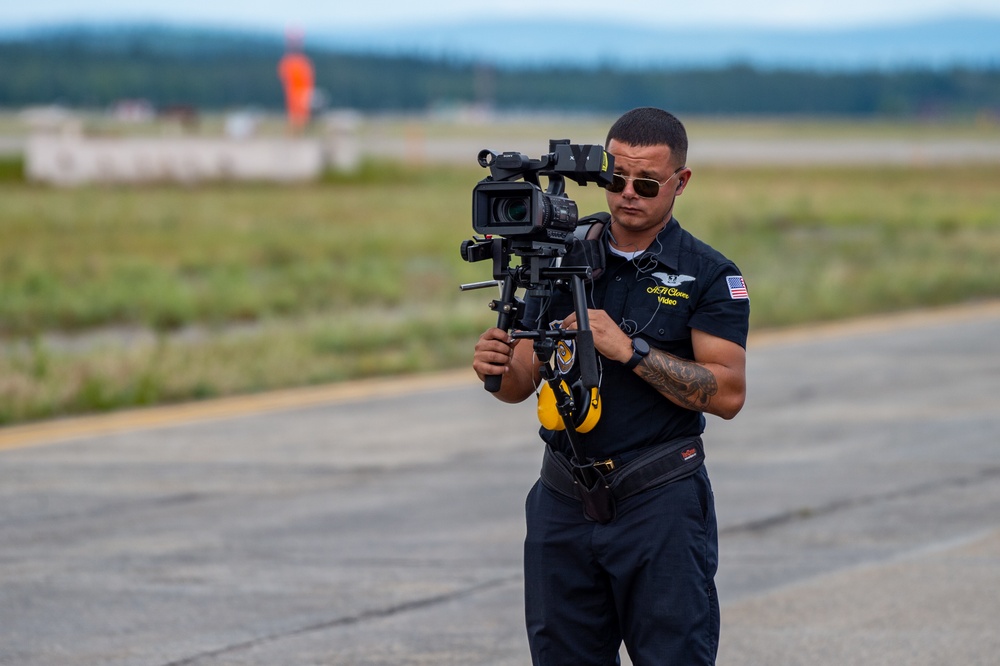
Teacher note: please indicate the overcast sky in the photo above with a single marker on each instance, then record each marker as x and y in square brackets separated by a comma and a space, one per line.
[317, 14]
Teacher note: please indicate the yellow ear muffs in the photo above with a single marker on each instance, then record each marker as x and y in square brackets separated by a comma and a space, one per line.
[586, 407]
[548, 413]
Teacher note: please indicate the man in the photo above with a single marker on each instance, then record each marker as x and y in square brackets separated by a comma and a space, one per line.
[669, 317]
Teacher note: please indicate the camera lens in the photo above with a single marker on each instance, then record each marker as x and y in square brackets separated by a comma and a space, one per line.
[512, 210]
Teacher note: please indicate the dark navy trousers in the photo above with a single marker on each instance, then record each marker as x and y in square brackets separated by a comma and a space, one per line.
[646, 578]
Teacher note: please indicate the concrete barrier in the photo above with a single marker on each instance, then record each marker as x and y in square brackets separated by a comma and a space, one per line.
[58, 152]
[62, 159]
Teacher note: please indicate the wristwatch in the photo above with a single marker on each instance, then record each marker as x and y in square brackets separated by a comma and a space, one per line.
[640, 348]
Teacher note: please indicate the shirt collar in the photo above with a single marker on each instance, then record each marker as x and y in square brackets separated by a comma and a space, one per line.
[666, 247]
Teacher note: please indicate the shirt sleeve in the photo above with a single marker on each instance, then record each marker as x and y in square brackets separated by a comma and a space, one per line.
[723, 309]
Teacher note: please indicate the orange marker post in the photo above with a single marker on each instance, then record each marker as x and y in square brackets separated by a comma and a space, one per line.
[296, 73]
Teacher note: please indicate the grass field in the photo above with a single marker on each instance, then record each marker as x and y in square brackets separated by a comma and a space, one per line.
[116, 297]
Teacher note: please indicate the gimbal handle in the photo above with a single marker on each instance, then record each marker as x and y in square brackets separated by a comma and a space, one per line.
[507, 309]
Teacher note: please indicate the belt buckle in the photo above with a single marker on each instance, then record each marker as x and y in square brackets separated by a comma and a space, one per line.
[604, 465]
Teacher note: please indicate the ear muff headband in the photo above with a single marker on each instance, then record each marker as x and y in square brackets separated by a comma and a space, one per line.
[591, 414]
[586, 407]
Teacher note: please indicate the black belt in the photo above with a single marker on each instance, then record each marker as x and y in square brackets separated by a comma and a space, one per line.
[601, 485]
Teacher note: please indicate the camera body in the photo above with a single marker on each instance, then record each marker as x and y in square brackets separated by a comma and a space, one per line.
[510, 201]
[522, 210]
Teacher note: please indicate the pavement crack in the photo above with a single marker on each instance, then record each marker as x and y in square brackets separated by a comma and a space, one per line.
[363, 616]
[807, 513]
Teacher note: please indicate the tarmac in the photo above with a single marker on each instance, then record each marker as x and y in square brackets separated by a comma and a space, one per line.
[381, 523]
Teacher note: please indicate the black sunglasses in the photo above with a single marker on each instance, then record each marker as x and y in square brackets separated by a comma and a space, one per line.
[644, 187]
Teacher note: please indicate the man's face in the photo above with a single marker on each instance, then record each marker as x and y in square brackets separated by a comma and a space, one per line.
[641, 214]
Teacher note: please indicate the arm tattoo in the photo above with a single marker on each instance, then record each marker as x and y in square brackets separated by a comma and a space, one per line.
[686, 383]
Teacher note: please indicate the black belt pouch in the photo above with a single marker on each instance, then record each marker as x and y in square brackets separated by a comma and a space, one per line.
[595, 494]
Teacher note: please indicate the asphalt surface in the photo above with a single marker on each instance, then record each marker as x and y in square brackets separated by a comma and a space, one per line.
[858, 494]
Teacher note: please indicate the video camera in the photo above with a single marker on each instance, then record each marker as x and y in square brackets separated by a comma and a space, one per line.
[521, 210]
[522, 219]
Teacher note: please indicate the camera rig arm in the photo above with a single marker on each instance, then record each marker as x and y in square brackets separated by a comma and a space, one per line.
[509, 308]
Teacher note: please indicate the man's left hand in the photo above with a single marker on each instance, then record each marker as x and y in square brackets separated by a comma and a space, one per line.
[609, 340]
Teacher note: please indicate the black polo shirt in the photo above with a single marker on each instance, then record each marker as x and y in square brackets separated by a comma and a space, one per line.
[678, 284]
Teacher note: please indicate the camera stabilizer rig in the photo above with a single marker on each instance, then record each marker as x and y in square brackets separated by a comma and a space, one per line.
[520, 219]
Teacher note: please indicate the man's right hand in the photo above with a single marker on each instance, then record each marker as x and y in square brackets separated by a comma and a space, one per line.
[497, 353]
[494, 352]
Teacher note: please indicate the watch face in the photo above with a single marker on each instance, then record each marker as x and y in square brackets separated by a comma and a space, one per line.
[640, 346]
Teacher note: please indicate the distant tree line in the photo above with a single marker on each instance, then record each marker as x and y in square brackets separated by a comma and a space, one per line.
[212, 71]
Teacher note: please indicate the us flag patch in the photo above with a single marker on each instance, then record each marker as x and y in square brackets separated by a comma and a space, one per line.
[737, 287]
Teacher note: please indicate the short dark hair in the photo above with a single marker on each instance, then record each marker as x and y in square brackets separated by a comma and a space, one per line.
[649, 126]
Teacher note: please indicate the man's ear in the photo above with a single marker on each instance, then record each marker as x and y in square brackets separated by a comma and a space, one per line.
[682, 180]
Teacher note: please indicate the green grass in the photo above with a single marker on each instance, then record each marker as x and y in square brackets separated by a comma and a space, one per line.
[116, 297]
[11, 169]
[825, 243]
[166, 258]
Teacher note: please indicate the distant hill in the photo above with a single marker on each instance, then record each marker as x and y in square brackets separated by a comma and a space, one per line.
[967, 41]
[945, 42]
[96, 66]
